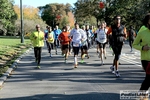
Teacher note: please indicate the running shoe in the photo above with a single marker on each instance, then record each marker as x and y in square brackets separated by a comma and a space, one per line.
[38, 67]
[117, 74]
[102, 62]
[82, 61]
[112, 69]
[75, 66]
[50, 56]
[98, 55]
[65, 61]
[88, 57]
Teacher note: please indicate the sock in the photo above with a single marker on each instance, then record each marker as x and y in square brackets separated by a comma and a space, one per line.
[75, 60]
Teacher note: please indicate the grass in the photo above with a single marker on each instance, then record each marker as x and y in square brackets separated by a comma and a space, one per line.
[10, 49]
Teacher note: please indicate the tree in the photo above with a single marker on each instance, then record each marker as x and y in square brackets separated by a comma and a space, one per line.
[29, 12]
[31, 18]
[7, 15]
[55, 14]
[132, 11]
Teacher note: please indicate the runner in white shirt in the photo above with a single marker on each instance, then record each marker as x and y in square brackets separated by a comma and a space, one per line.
[102, 39]
[77, 38]
[84, 45]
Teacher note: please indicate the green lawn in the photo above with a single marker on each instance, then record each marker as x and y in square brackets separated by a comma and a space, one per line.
[10, 49]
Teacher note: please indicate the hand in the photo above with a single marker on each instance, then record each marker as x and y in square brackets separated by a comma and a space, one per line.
[146, 47]
[82, 39]
[61, 40]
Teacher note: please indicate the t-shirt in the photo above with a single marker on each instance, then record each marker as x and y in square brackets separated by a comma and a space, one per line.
[51, 37]
[101, 35]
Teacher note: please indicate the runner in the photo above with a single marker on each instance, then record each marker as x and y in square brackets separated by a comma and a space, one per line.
[118, 36]
[46, 36]
[142, 43]
[84, 45]
[70, 43]
[95, 35]
[131, 35]
[50, 40]
[76, 35]
[57, 31]
[102, 39]
[65, 39]
[37, 38]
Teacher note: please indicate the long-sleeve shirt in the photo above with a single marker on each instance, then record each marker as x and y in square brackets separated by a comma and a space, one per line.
[142, 39]
[77, 35]
[56, 33]
[64, 38]
[37, 39]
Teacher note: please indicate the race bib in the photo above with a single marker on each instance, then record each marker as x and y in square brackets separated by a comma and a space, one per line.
[76, 44]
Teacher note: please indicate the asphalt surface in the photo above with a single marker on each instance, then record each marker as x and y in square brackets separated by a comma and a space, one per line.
[57, 80]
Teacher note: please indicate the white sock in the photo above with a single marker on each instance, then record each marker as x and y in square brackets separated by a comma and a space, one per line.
[75, 60]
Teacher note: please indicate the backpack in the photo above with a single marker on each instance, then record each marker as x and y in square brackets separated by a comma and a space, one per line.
[118, 33]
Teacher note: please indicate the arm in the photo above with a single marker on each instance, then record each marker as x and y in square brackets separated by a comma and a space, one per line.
[32, 37]
[125, 33]
[109, 31]
[136, 43]
[59, 37]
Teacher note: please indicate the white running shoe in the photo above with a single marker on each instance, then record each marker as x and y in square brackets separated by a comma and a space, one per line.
[112, 69]
[117, 74]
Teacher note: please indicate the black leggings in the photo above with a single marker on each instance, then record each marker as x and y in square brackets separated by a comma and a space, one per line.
[146, 83]
[117, 50]
[76, 50]
[37, 54]
[131, 42]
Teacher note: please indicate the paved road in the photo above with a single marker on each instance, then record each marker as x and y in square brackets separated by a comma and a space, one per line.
[59, 81]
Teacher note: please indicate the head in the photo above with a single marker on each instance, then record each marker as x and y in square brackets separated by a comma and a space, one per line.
[37, 27]
[131, 27]
[146, 21]
[102, 25]
[76, 25]
[68, 27]
[117, 19]
[91, 27]
[87, 27]
[49, 28]
[99, 26]
[64, 29]
[56, 27]
[83, 27]
[105, 24]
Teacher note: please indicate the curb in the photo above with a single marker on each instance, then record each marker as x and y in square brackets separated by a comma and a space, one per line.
[12, 67]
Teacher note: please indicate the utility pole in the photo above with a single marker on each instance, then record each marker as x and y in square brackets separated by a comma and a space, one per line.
[21, 17]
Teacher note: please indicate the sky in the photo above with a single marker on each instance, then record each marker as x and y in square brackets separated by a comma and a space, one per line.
[36, 3]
